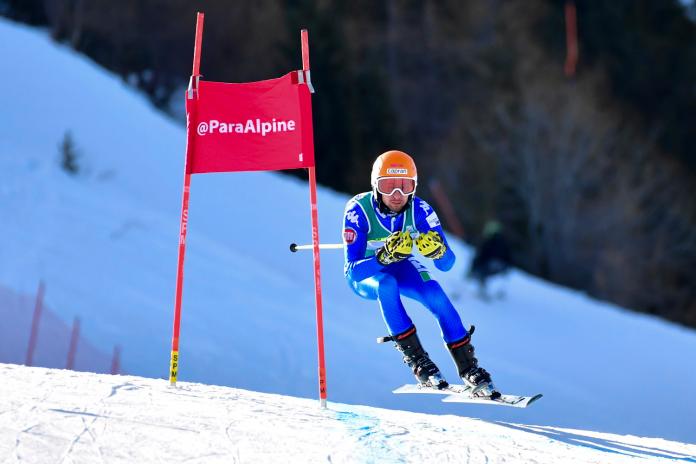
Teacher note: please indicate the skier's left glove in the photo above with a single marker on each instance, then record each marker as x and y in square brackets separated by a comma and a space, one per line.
[431, 245]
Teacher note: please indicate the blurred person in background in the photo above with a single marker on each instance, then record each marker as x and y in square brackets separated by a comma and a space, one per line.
[492, 256]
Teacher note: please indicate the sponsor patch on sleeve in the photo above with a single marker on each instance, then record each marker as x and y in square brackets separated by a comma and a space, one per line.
[349, 235]
[433, 220]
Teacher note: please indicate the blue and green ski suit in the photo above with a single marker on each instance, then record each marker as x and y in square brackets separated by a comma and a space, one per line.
[365, 228]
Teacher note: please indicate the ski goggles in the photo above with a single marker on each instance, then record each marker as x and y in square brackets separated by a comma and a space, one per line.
[389, 185]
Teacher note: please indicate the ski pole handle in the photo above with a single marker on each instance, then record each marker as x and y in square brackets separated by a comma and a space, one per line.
[326, 246]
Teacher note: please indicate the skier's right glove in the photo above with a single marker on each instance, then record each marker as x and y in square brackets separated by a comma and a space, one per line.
[396, 247]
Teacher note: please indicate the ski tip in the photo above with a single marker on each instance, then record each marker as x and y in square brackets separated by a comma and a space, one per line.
[403, 389]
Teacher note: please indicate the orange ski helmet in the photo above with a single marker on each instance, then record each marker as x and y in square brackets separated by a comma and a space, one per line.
[393, 163]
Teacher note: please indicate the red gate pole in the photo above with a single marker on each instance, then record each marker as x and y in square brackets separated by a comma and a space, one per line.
[315, 243]
[445, 205]
[72, 350]
[191, 94]
[34, 334]
[116, 361]
[571, 39]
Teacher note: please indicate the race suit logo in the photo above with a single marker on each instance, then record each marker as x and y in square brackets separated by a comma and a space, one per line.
[352, 216]
[349, 235]
[250, 126]
[433, 220]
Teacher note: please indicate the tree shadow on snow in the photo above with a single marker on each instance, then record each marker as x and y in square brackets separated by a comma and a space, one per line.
[600, 444]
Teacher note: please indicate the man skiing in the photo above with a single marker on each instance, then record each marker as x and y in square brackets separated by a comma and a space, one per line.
[381, 229]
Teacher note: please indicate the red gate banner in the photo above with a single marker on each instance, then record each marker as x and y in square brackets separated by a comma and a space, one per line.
[255, 126]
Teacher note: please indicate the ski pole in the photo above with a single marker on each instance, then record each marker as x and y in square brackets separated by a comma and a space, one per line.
[371, 245]
[327, 246]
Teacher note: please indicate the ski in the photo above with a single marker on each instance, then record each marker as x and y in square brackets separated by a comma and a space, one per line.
[460, 394]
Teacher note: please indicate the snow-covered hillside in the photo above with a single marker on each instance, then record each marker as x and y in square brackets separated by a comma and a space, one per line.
[105, 243]
[62, 416]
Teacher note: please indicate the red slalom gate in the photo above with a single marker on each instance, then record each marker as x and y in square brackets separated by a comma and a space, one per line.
[34, 334]
[315, 243]
[116, 361]
[254, 126]
[571, 61]
[72, 350]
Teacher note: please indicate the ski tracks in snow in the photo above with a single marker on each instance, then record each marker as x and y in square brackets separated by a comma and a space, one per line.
[372, 437]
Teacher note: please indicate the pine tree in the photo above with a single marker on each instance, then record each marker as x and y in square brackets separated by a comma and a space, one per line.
[69, 155]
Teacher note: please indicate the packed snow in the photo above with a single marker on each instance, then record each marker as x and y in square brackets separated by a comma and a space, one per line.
[64, 416]
[105, 243]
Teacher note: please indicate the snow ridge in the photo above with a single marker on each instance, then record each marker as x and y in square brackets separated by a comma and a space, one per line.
[63, 416]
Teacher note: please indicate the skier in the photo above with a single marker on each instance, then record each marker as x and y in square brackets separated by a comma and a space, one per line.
[381, 228]
[492, 257]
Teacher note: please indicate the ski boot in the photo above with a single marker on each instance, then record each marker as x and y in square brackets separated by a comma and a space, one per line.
[475, 377]
[426, 372]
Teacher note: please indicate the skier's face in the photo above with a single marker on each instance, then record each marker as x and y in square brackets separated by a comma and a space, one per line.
[396, 201]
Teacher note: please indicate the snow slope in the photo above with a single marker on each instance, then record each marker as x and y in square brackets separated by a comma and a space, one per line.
[62, 416]
[105, 243]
